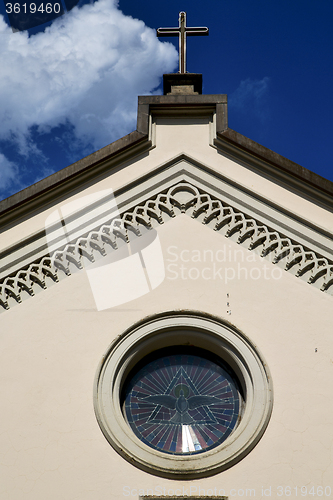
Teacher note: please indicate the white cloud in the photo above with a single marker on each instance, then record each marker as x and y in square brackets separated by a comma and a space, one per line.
[86, 69]
[8, 171]
[250, 92]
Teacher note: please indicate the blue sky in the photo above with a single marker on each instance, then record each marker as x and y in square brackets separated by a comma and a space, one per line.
[71, 87]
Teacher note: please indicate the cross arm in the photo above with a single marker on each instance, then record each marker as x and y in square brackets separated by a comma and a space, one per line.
[197, 31]
[189, 31]
[168, 31]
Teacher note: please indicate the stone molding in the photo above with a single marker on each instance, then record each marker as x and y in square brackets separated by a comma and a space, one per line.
[185, 198]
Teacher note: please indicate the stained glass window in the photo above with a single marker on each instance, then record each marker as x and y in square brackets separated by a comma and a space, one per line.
[182, 402]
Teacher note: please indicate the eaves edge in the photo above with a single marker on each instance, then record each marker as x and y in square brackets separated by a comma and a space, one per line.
[319, 188]
[281, 164]
[56, 184]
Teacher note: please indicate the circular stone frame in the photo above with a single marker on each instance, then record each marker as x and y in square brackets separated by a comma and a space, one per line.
[173, 329]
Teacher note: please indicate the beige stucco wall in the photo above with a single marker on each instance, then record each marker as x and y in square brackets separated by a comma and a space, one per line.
[50, 443]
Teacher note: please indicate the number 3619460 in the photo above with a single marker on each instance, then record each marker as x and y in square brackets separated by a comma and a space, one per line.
[31, 8]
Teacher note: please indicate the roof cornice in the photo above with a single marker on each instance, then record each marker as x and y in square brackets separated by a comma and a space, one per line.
[277, 167]
[280, 164]
[308, 182]
[55, 185]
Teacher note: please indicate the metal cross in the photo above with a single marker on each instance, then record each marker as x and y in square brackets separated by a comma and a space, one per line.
[182, 31]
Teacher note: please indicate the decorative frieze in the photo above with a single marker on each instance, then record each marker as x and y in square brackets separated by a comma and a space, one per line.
[181, 198]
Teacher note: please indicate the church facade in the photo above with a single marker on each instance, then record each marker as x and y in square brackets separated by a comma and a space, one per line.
[166, 318]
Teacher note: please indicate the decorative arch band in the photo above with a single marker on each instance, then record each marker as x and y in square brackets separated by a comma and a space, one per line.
[180, 198]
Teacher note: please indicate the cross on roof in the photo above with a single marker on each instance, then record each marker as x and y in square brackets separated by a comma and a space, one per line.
[182, 31]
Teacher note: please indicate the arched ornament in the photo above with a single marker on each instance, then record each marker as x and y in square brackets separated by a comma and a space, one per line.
[185, 198]
[178, 331]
